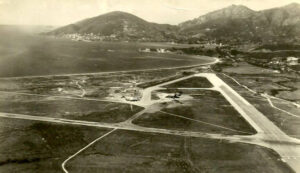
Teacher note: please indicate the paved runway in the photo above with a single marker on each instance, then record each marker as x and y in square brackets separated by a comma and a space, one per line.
[268, 134]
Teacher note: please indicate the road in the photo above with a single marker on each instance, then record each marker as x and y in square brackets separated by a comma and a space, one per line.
[268, 134]
[63, 165]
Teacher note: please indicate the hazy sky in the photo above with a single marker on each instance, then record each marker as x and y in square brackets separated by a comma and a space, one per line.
[61, 12]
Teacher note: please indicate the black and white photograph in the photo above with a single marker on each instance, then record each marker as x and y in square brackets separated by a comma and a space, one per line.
[150, 86]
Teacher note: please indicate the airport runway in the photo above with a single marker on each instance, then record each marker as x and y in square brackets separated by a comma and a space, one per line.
[268, 134]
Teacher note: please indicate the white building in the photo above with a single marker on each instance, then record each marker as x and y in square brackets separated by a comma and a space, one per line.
[161, 50]
[292, 60]
[145, 50]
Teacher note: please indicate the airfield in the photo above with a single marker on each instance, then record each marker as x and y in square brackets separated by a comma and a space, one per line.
[210, 127]
[106, 107]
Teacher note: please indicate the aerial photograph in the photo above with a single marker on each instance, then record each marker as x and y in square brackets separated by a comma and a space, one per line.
[150, 86]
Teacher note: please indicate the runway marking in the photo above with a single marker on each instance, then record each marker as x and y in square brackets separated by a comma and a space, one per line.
[63, 165]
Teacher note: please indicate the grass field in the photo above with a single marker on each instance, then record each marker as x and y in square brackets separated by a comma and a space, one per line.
[290, 125]
[194, 82]
[95, 86]
[67, 108]
[137, 152]
[283, 85]
[245, 68]
[28, 146]
[22, 54]
[209, 107]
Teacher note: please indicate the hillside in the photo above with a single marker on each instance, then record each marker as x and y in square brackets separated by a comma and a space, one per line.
[242, 23]
[232, 12]
[120, 25]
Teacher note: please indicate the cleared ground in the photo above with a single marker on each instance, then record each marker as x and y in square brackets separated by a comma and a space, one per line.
[208, 111]
[136, 152]
[96, 111]
[32, 146]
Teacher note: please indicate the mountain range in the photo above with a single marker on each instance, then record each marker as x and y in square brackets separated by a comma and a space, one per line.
[236, 22]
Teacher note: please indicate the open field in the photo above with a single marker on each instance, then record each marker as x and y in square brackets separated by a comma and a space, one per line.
[275, 85]
[245, 68]
[262, 80]
[26, 55]
[194, 82]
[89, 85]
[279, 47]
[136, 152]
[209, 108]
[96, 111]
[289, 124]
[94, 86]
[32, 146]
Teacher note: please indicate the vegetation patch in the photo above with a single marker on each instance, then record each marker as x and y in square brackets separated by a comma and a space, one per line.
[209, 112]
[135, 152]
[32, 146]
[87, 110]
[193, 82]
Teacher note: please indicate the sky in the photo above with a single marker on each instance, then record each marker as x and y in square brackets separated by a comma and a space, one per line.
[62, 12]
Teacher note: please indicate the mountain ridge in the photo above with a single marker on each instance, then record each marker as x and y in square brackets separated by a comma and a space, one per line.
[233, 11]
[242, 23]
[232, 22]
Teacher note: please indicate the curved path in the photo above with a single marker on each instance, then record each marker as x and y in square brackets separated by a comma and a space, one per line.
[63, 165]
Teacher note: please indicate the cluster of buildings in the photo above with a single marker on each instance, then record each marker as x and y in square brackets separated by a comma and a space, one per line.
[90, 37]
[281, 61]
[292, 61]
[158, 50]
[132, 94]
